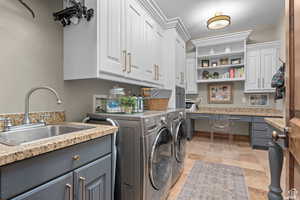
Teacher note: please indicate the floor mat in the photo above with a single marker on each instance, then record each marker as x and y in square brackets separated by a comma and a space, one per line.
[209, 181]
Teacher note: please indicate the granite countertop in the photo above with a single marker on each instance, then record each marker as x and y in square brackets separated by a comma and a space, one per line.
[263, 112]
[10, 154]
[277, 123]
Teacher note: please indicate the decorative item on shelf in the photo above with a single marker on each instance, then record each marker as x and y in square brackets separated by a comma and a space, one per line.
[214, 63]
[227, 50]
[219, 21]
[231, 73]
[259, 100]
[205, 63]
[224, 61]
[220, 93]
[236, 61]
[205, 75]
[128, 104]
[215, 75]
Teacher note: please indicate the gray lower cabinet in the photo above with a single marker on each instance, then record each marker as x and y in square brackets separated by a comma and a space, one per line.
[59, 189]
[78, 172]
[93, 181]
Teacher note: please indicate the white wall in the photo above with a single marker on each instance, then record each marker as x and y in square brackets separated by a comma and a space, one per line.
[31, 54]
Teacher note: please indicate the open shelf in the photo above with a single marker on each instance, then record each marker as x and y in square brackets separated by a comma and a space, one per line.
[221, 67]
[233, 53]
[221, 80]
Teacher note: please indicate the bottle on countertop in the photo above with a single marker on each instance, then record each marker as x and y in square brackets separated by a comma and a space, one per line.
[140, 104]
[136, 104]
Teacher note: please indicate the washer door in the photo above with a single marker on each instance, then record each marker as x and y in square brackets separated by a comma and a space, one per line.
[180, 142]
[161, 159]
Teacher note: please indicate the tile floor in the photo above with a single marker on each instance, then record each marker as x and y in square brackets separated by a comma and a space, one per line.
[254, 163]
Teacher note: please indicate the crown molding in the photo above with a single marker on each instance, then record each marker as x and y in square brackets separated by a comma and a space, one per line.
[275, 43]
[155, 11]
[222, 39]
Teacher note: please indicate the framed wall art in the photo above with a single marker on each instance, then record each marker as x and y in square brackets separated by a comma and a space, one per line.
[220, 93]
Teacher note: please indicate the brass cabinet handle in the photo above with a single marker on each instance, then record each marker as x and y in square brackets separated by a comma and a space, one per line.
[263, 82]
[82, 180]
[76, 157]
[258, 80]
[129, 60]
[69, 188]
[125, 60]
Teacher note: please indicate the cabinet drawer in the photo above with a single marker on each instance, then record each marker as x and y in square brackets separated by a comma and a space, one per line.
[261, 143]
[261, 134]
[199, 116]
[241, 118]
[260, 126]
[259, 119]
[22, 176]
[58, 189]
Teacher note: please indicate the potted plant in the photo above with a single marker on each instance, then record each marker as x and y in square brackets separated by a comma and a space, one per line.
[127, 104]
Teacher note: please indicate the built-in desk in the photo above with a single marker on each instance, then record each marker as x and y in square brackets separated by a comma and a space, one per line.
[260, 133]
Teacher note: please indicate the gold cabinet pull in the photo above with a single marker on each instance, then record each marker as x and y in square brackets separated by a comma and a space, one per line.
[125, 60]
[76, 157]
[82, 180]
[129, 62]
[70, 191]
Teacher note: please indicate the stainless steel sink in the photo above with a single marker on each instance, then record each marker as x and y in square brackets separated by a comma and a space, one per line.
[13, 138]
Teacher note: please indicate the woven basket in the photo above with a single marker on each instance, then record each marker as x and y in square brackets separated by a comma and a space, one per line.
[156, 104]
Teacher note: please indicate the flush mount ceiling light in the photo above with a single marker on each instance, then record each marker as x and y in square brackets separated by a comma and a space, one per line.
[219, 21]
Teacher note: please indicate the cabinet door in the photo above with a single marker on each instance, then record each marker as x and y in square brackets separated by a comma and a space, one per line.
[191, 76]
[177, 62]
[180, 63]
[150, 46]
[112, 53]
[269, 64]
[159, 56]
[253, 76]
[93, 181]
[135, 40]
[59, 189]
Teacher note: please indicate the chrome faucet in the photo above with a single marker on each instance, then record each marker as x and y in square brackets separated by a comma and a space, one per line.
[27, 119]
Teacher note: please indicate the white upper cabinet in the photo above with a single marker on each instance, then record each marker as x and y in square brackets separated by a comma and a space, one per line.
[149, 49]
[180, 62]
[120, 43]
[253, 70]
[262, 64]
[135, 40]
[191, 75]
[111, 49]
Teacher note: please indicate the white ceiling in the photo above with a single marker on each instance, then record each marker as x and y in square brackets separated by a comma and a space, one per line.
[245, 14]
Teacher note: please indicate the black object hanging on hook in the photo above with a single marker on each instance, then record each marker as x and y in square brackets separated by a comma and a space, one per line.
[77, 10]
[27, 7]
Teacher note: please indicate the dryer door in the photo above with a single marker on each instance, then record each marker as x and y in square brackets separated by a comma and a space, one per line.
[161, 159]
[180, 142]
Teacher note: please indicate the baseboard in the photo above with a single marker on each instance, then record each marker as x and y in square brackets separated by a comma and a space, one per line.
[239, 138]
